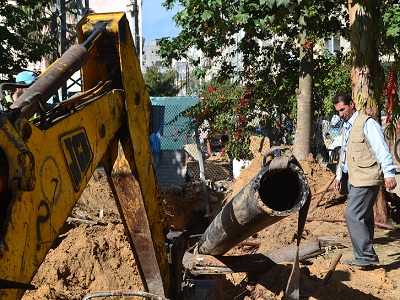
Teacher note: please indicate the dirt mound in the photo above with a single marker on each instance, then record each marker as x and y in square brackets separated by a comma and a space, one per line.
[88, 259]
[346, 282]
[93, 258]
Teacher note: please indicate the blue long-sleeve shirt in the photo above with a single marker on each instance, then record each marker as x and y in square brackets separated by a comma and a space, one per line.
[374, 134]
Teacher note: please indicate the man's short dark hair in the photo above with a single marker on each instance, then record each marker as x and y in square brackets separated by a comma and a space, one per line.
[342, 97]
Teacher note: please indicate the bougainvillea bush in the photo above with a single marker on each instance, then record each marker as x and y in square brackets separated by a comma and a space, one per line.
[231, 109]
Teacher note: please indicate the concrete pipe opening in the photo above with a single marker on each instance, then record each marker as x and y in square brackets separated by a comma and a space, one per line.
[282, 191]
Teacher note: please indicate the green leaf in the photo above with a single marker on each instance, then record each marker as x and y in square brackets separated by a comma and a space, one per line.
[242, 18]
[206, 15]
[270, 3]
[393, 31]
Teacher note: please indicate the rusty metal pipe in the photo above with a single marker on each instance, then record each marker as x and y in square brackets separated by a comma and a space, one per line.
[50, 81]
[55, 76]
[269, 197]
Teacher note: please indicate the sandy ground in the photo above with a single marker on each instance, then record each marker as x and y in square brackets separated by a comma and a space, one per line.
[94, 258]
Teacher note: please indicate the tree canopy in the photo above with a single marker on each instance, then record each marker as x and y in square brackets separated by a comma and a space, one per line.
[264, 37]
[160, 84]
[256, 44]
[23, 33]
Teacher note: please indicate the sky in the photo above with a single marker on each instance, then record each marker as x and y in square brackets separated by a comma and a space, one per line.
[157, 21]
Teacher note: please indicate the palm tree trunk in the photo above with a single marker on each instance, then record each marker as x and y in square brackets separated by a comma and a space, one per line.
[302, 139]
[365, 61]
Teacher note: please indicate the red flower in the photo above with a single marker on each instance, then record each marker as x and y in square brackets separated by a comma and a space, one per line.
[390, 91]
[211, 88]
[306, 45]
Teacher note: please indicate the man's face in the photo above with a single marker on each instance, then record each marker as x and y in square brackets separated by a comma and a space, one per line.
[20, 91]
[345, 111]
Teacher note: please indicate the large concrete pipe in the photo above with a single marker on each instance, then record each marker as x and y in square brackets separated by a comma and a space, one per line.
[277, 191]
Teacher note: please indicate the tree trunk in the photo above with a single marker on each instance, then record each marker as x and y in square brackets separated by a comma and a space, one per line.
[302, 139]
[380, 208]
[365, 58]
[364, 72]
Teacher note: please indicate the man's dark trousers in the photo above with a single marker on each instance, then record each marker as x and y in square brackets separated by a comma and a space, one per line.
[360, 220]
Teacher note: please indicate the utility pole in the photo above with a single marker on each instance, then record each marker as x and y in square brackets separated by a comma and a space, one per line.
[75, 10]
[141, 35]
[135, 23]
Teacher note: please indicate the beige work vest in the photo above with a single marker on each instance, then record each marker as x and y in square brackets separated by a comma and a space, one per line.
[364, 169]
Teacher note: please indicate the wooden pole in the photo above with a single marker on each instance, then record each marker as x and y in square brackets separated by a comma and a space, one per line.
[253, 263]
[322, 191]
[331, 270]
[202, 175]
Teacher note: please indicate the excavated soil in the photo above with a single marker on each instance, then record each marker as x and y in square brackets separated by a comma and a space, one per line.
[89, 258]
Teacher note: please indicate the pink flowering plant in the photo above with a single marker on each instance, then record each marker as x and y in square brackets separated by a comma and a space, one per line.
[229, 109]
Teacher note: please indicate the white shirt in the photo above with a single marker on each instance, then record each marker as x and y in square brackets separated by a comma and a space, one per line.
[374, 134]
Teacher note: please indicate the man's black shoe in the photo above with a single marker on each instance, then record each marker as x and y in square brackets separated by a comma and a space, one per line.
[361, 262]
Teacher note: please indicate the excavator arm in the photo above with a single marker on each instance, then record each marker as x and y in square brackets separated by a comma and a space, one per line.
[46, 164]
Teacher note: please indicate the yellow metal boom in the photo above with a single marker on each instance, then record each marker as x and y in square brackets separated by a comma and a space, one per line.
[46, 164]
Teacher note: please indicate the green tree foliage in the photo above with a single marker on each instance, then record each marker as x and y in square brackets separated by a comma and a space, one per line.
[23, 33]
[392, 19]
[331, 76]
[160, 84]
[225, 30]
[263, 36]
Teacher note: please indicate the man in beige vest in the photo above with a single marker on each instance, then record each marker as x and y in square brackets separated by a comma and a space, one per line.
[366, 160]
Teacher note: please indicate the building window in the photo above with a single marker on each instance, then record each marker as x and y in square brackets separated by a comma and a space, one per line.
[333, 44]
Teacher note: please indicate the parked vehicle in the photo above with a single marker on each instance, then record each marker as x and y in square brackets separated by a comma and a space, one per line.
[333, 138]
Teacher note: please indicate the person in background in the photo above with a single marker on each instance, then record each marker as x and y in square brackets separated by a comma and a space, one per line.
[366, 160]
[276, 134]
[275, 137]
[289, 125]
[24, 77]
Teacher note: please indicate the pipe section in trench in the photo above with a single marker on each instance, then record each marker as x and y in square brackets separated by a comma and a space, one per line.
[277, 191]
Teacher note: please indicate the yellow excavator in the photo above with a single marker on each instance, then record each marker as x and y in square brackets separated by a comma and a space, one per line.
[46, 163]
